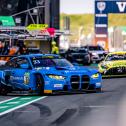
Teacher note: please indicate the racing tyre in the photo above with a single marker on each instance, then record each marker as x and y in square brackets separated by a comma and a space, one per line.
[98, 90]
[40, 84]
[3, 90]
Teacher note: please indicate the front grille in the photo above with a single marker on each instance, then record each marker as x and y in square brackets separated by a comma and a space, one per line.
[116, 71]
[75, 82]
[85, 82]
[78, 56]
[100, 55]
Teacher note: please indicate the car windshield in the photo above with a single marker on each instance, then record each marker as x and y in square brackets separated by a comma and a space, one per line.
[72, 51]
[50, 62]
[95, 48]
[78, 50]
[116, 57]
[82, 51]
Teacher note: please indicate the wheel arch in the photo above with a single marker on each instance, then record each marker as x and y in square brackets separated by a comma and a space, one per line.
[39, 83]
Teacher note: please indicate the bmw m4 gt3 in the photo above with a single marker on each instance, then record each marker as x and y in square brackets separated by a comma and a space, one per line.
[47, 73]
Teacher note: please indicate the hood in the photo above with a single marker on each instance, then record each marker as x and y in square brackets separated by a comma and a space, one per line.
[115, 63]
[79, 70]
[98, 52]
[79, 53]
[67, 70]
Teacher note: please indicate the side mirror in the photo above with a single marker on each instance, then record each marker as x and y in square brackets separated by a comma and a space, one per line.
[24, 66]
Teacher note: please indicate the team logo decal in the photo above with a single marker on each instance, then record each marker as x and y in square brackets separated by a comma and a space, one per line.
[101, 6]
[26, 78]
[119, 70]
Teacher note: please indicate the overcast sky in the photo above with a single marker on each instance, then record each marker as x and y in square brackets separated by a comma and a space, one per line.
[76, 6]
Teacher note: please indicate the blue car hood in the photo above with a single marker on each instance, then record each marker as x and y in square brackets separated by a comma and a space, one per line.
[67, 70]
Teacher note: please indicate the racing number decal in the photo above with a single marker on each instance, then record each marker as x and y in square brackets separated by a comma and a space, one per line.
[36, 61]
[26, 78]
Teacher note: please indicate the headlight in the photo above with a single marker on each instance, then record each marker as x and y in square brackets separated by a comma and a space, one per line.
[95, 75]
[57, 77]
[94, 54]
[104, 66]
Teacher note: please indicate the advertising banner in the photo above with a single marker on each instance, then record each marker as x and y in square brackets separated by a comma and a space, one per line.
[102, 9]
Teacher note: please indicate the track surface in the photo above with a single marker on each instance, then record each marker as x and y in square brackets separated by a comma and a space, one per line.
[93, 109]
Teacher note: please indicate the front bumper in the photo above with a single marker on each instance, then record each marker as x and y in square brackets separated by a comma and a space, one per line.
[113, 72]
[72, 91]
[113, 76]
[75, 83]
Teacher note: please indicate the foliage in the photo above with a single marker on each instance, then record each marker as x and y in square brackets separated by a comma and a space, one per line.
[79, 20]
[87, 22]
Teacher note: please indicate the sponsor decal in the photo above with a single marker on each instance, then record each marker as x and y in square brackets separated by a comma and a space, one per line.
[16, 78]
[119, 64]
[101, 6]
[121, 6]
[98, 84]
[58, 85]
[26, 78]
[119, 70]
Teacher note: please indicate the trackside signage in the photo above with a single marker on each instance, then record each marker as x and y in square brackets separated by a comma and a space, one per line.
[102, 9]
[37, 27]
[121, 6]
[7, 21]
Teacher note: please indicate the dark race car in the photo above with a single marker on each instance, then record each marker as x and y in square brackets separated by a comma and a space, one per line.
[78, 55]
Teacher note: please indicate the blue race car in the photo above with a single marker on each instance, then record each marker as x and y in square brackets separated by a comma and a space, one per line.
[47, 73]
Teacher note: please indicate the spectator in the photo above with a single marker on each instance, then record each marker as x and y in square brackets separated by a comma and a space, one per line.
[55, 49]
[6, 48]
[1, 47]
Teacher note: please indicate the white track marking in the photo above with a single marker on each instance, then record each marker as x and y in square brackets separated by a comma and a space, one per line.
[2, 107]
[8, 100]
[10, 110]
[11, 103]
[25, 98]
[97, 106]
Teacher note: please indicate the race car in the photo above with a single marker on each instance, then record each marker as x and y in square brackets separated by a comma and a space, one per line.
[47, 73]
[113, 65]
[97, 53]
[78, 55]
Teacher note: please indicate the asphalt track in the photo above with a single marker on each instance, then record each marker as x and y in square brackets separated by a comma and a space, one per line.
[88, 109]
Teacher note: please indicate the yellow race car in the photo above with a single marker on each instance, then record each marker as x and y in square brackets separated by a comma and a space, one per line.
[114, 65]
